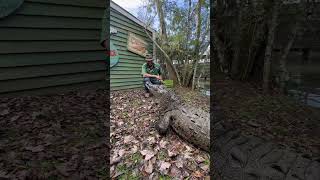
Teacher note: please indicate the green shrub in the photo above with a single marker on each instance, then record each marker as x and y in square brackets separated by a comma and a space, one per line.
[168, 83]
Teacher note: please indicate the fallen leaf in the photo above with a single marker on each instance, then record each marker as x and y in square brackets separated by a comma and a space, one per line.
[253, 124]
[37, 114]
[204, 167]
[4, 112]
[172, 153]
[179, 164]
[188, 155]
[117, 173]
[149, 167]
[112, 169]
[148, 154]
[163, 144]
[200, 159]
[22, 174]
[128, 139]
[14, 118]
[115, 160]
[185, 174]
[35, 148]
[164, 165]
[175, 172]
[198, 174]
[121, 152]
[62, 169]
[3, 174]
[153, 160]
[151, 140]
[189, 149]
[134, 149]
[120, 123]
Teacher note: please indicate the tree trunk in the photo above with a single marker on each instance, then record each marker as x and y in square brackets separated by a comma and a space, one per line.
[198, 81]
[185, 71]
[220, 52]
[186, 64]
[202, 72]
[163, 30]
[253, 41]
[194, 74]
[236, 58]
[284, 75]
[217, 42]
[197, 49]
[173, 73]
[269, 48]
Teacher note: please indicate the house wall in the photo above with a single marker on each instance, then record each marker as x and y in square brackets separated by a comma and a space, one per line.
[127, 73]
[52, 45]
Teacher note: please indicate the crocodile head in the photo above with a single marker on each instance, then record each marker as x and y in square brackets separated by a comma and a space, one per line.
[156, 89]
[163, 93]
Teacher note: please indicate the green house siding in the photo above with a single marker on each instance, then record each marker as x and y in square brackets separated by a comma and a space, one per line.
[51, 45]
[127, 73]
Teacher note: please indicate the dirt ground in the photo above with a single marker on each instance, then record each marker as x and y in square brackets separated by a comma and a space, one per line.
[139, 152]
[272, 117]
[54, 137]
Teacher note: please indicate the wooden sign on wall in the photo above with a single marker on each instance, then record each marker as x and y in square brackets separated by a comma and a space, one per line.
[137, 45]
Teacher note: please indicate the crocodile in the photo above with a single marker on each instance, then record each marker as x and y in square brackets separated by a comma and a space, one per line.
[190, 123]
[234, 156]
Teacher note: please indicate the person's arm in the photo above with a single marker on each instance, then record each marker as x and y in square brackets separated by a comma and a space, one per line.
[144, 72]
[150, 75]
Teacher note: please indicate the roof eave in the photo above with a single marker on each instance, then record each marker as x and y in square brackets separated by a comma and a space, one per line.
[129, 15]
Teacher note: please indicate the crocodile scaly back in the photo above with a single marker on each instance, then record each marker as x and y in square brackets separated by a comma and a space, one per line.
[190, 123]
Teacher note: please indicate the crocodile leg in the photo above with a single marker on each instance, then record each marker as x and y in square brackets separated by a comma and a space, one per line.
[164, 122]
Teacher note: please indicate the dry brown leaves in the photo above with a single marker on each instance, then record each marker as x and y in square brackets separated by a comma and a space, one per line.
[54, 136]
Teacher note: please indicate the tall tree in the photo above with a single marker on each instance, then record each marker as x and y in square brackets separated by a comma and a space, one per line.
[197, 46]
[269, 47]
[161, 15]
[245, 51]
[164, 39]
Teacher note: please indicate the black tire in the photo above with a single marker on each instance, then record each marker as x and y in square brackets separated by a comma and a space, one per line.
[239, 157]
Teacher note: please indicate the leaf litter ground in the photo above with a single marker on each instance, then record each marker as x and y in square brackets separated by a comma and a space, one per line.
[54, 137]
[273, 117]
[139, 152]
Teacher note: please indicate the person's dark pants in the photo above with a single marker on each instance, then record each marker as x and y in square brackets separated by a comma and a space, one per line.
[152, 80]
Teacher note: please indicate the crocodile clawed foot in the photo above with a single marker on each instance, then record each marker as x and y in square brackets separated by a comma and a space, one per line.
[162, 126]
[161, 129]
[162, 132]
